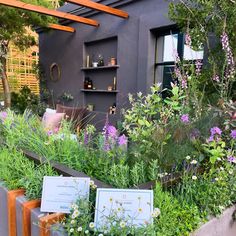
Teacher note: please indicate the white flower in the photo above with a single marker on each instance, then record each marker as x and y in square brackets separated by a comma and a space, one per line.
[91, 182]
[230, 172]
[94, 186]
[72, 222]
[153, 215]
[157, 211]
[194, 162]
[221, 168]
[91, 225]
[194, 177]
[119, 209]
[76, 213]
[187, 157]
[140, 210]
[218, 159]
[79, 229]
[122, 224]
[72, 230]
[139, 94]
[216, 179]
[100, 235]
[160, 175]
[86, 232]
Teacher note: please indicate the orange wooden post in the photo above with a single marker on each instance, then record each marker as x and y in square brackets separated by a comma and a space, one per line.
[11, 202]
[26, 217]
[46, 221]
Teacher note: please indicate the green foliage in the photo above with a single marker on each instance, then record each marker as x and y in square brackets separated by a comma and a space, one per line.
[176, 218]
[25, 99]
[212, 192]
[14, 23]
[19, 172]
[193, 17]
[148, 120]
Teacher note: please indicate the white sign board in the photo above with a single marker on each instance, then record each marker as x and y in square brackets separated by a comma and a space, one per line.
[132, 206]
[59, 193]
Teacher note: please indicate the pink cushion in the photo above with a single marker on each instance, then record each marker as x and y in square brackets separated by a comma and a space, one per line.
[52, 121]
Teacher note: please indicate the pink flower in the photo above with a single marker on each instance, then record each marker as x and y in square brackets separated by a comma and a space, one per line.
[188, 40]
[3, 115]
[216, 131]
[216, 78]
[185, 118]
[122, 140]
[50, 133]
[231, 159]
[184, 84]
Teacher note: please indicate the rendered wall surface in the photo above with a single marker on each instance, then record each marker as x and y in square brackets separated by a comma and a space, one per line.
[135, 49]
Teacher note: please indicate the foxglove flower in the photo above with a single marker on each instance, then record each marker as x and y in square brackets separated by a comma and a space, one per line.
[184, 84]
[216, 78]
[188, 40]
[227, 49]
[176, 56]
[198, 65]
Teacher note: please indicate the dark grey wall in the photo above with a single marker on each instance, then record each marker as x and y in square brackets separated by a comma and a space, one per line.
[135, 54]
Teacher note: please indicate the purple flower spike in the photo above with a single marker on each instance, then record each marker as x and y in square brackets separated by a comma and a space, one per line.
[112, 131]
[232, 159]
[185, 118]
[233, 134]
[86, 138]
[122, 140]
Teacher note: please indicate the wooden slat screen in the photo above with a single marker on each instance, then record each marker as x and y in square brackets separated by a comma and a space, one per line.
[20, 69]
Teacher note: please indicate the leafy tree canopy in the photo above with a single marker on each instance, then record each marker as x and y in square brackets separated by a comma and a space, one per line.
[200, 17]
[14, 23]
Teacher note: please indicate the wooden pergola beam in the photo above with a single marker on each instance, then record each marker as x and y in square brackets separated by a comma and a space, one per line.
[100, 7]
[61, 27]
[43, 10]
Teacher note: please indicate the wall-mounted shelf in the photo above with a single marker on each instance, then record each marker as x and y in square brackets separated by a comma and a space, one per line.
[98, 91]
[101, 68]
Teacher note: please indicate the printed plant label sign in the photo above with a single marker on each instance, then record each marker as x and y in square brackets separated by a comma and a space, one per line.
[59, 193]
[130, 207]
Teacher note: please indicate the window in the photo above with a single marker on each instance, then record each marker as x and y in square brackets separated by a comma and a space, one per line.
[168, 44]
